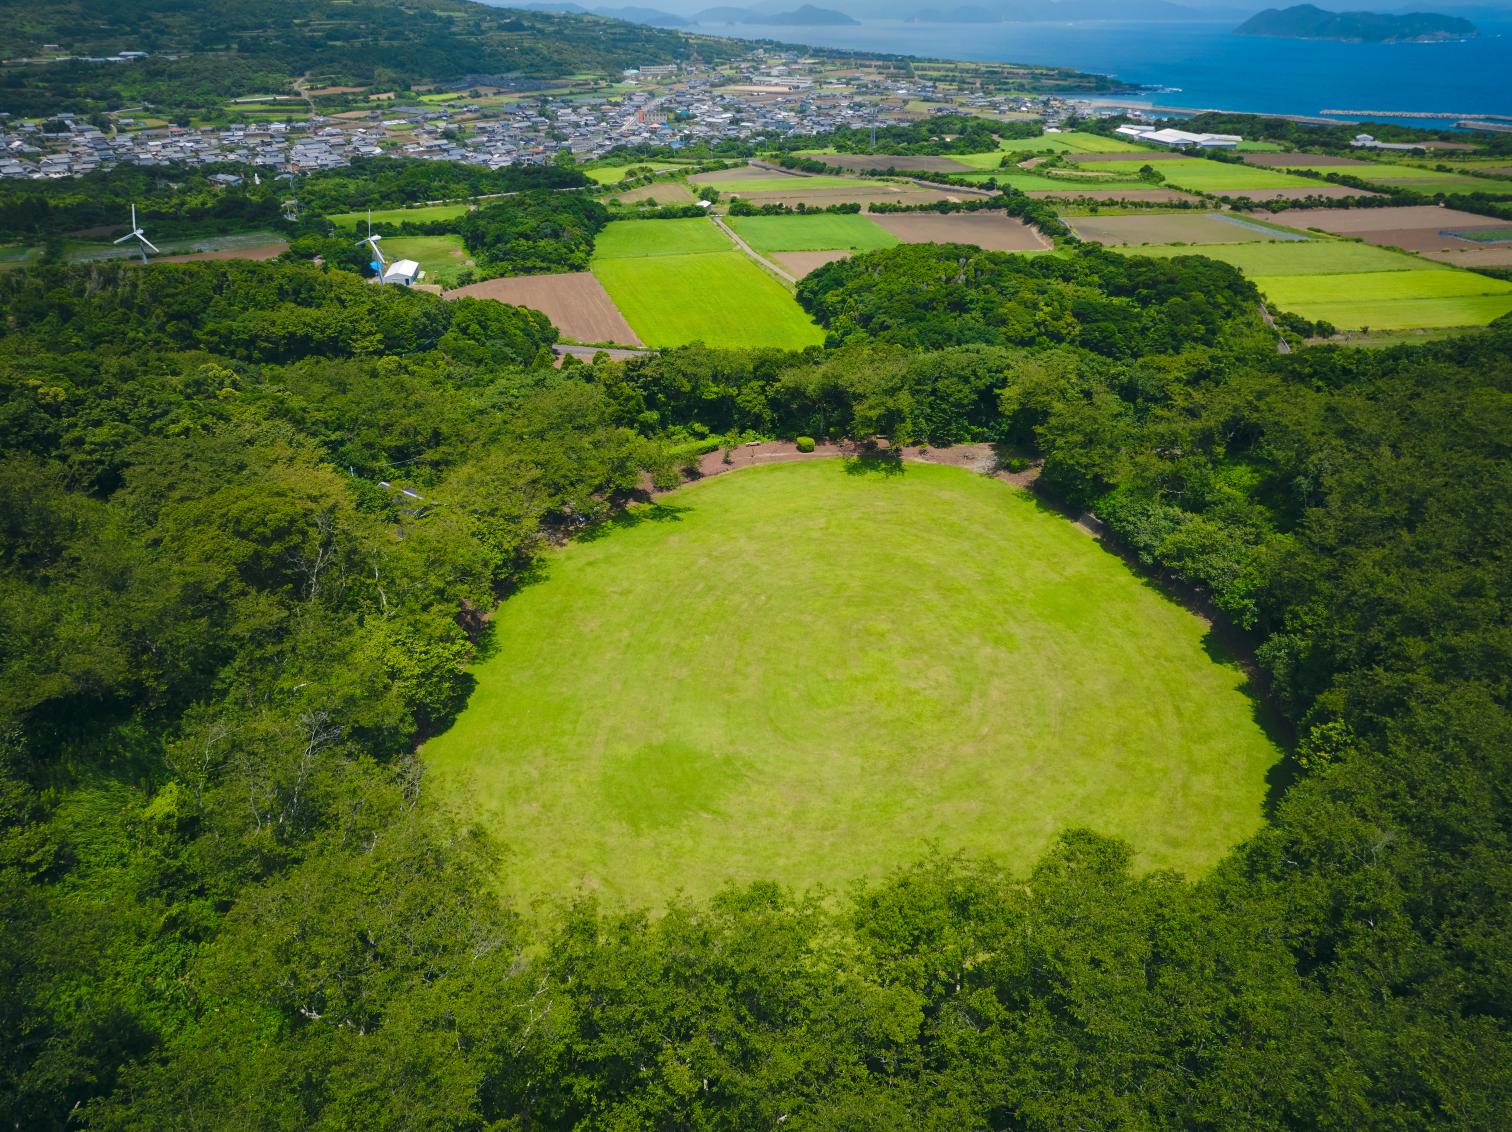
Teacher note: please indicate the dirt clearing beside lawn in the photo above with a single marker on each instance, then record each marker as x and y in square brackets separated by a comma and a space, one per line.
[799, 264]
[576, 303]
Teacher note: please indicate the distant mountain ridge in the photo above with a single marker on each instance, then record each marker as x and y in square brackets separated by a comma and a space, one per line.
[1306, 21]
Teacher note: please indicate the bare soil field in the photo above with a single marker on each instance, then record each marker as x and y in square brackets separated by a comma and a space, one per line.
[265, 251]
[666, 192]
[856, 162]
[576, 303]
[993, 231]
[1473, 257]
[1354, 221]
[1423, 240]
[1180, 228]
[822, 197]
[1281, 160]
[1155, 196]
[799, 264]
[743, 173]
[1322, 189]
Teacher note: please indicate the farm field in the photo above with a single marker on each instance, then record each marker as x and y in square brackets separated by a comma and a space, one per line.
[1073, 193]
[993, 231]
[424, 214]
[1173, 228]
[772, 183]
[663, 192]
[811, 233]
[799, 264]
[803, 674]
[1311, 257]
[1027, 182]
[1418, 179]
[623, 238]
[443, 258]
[576, 303]
[1426, 229]
[1391, 300]
[1199, 175]
[719, 298]
[856, 162]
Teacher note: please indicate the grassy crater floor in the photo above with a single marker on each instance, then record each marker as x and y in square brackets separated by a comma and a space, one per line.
[809, 672]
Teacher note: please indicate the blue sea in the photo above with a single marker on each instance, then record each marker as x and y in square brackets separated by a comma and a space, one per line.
[1204, 65]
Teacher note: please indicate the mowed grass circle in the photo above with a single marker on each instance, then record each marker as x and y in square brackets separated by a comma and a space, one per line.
[810, 672]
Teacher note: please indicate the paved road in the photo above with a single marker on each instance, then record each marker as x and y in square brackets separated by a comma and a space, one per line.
[618, 353]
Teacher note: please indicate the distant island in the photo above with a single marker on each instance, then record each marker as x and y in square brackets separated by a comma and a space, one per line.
[806, 16]
[1305, 21]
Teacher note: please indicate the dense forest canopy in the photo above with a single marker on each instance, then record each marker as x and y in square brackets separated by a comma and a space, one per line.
[227, 900]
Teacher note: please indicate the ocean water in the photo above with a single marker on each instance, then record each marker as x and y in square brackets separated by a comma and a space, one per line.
[1204, 65]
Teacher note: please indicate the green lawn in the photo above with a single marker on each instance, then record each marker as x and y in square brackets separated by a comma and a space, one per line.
[1203, 176]
[614, 174]
[804, 674]
[811, 233]
[719, 298]
[442, 257]
[424, 214]
[634, 238]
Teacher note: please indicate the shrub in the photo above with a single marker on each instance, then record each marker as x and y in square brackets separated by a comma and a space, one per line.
[805, 443]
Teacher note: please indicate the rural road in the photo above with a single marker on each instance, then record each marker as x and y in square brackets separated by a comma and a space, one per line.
[760, 259]
[618, 353]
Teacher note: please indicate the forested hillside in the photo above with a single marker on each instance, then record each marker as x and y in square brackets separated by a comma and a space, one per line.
[254, 515]
[221, 49]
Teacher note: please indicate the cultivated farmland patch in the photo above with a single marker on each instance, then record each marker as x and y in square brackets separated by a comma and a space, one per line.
[858, 162]
[812, 232]
[799, 264]
[992, 231]
[1173, 228]
[576, 303]
[719, 298]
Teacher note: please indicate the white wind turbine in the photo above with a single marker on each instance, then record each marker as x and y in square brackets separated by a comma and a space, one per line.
[137, 234]
[379, 263]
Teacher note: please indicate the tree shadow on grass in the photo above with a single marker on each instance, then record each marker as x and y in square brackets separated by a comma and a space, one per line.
[1224, 643]
[629, 517]
[875, 462]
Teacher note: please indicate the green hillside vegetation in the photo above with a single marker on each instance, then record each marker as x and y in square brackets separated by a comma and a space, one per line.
[267, 531]
[534, 233]
[232, 49]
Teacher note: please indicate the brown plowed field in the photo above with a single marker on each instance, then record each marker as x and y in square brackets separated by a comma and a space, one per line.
[1279, 160]
[821, 197]
[1180, 228]
[993, 231]
[1355, 221]
[1475, 257]
[265, 251]
[799, 264]
[744, 173]
[664, 192]
[1155, 196]
[577, 304]
[859, 161]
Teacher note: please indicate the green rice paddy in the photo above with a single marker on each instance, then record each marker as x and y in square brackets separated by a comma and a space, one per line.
[811, 233]
[1312, 257]
[1202, 176]
[808, 672]
[682, 281]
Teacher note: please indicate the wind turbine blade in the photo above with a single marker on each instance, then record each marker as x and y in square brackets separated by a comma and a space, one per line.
[149, 243]
[124, 238]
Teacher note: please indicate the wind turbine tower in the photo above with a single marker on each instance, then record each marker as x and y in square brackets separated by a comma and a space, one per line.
[137, 234]
[378, 263]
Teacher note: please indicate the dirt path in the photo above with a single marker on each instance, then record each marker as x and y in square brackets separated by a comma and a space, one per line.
[761, 260]
[1282, 345]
